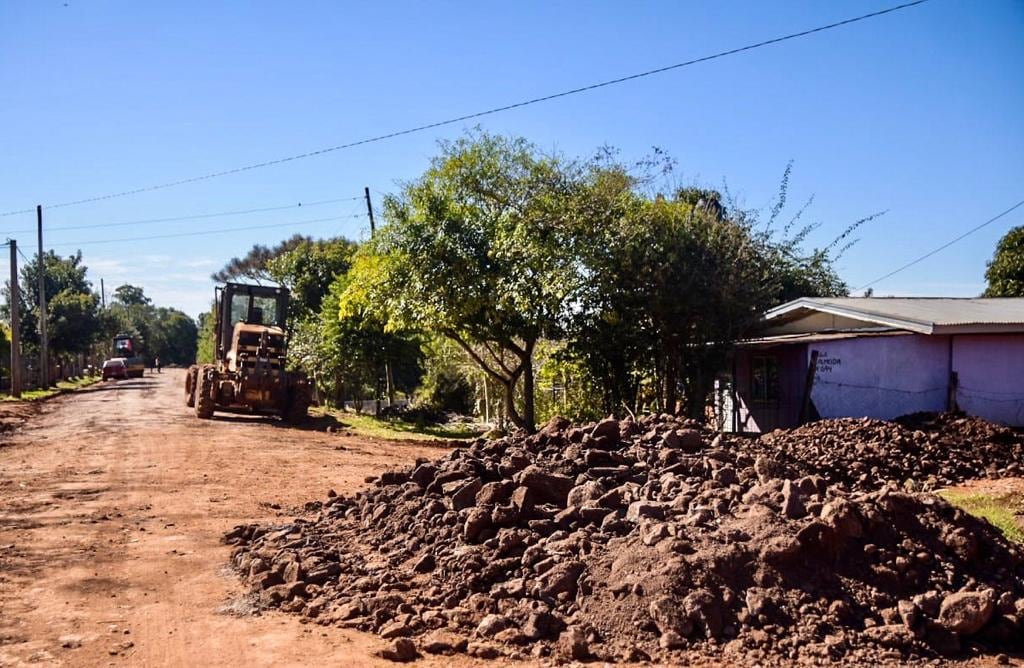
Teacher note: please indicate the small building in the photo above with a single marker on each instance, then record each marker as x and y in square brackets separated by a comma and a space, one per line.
[880, 358]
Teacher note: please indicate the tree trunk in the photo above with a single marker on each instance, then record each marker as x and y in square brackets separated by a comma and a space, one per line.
[671, 381]
[529, 419]
[509, 387]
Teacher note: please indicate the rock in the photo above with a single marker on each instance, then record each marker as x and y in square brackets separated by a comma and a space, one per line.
[394, 630]
[504, 516]
[555, 425]
[842, 516]
[645, 509]
[705, 609]
[494, 493]
[442, 641]
[70, 641]
[845, 563]
[425, 564]
[573, 644]
[909, 614]
[792, 503]
[725, 476]
[652, 533]
[523, 500]
[464, 495]
[561, 578]
[670, 640]
[689, 440]
[606, 428]
[668, 616]
[482, 650]
[890, 635]
[393, 478]
[400, 650]
[966, 612]
[550, 487]
[588, 491]
[477, 521]
[542, 625]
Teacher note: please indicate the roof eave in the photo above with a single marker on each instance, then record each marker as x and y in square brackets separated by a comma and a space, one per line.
[919, 326]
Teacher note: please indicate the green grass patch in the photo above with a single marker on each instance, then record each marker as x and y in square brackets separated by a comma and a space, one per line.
[1001, 510]
[62, 386]
[362, 424]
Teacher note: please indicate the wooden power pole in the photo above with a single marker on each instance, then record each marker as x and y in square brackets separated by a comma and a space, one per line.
[44, 357]
[15, 325]
[369, 210]
[389, 378]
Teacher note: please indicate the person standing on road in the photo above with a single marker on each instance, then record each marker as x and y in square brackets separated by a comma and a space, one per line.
[158, 365]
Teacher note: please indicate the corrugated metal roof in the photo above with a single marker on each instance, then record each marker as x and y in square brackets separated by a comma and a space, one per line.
[811, 337]
[923, 314]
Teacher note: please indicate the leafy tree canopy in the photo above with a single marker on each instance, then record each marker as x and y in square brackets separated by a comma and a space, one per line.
[1005, 272]
[255, 265]
[474, 250]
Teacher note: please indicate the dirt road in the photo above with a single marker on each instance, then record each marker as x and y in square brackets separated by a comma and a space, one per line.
[112, 504]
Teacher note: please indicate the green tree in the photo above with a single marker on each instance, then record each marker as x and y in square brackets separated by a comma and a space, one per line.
[131, 295]
[206, 344]
[255, 265]
[670, 283]
[74, 322]
[474, 251]
[353, 347]
[1005, 272]
[308, 269]
[161, 332]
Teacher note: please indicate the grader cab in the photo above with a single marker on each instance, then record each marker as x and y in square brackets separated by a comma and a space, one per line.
[249, 373]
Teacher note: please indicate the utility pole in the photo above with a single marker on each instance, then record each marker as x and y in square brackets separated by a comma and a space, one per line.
[15, 325]
[103, 295]
[44, 357]
[369, 210]
[389, 378]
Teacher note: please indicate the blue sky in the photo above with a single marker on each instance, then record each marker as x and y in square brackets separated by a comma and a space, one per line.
[918, 113]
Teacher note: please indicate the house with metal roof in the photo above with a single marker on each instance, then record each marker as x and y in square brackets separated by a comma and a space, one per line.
[879, 357]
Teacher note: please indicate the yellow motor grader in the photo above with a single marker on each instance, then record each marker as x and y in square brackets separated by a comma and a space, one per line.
[250, 372]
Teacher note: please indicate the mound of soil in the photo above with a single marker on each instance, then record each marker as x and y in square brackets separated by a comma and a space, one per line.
[922, 451]
[649, 540]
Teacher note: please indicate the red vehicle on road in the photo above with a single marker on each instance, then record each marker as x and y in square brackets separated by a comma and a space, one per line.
[115, 368]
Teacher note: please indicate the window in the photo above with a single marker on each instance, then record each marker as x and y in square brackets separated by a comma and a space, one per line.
[764, 378]
[264, 311]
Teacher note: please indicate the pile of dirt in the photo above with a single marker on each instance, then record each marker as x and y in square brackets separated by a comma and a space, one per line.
[923, 451]
[648, 540]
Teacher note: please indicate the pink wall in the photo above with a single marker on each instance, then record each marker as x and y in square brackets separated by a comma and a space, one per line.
[888, 376]
[881, 376]
[990, 370]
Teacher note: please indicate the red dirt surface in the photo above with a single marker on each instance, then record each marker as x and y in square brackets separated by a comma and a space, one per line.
[113, 502]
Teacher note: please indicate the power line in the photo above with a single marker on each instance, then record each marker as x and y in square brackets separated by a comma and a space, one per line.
[480, 114]
[208, 232]
[943, 246]
[200, 216]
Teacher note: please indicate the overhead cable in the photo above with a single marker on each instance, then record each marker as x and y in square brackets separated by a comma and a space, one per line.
[247, 228]
[199, 216]
[943, 246]
[480, 114]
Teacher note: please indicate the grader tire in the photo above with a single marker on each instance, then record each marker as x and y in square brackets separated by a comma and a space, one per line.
[298, 404]
[190, 386]
[204, 395]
